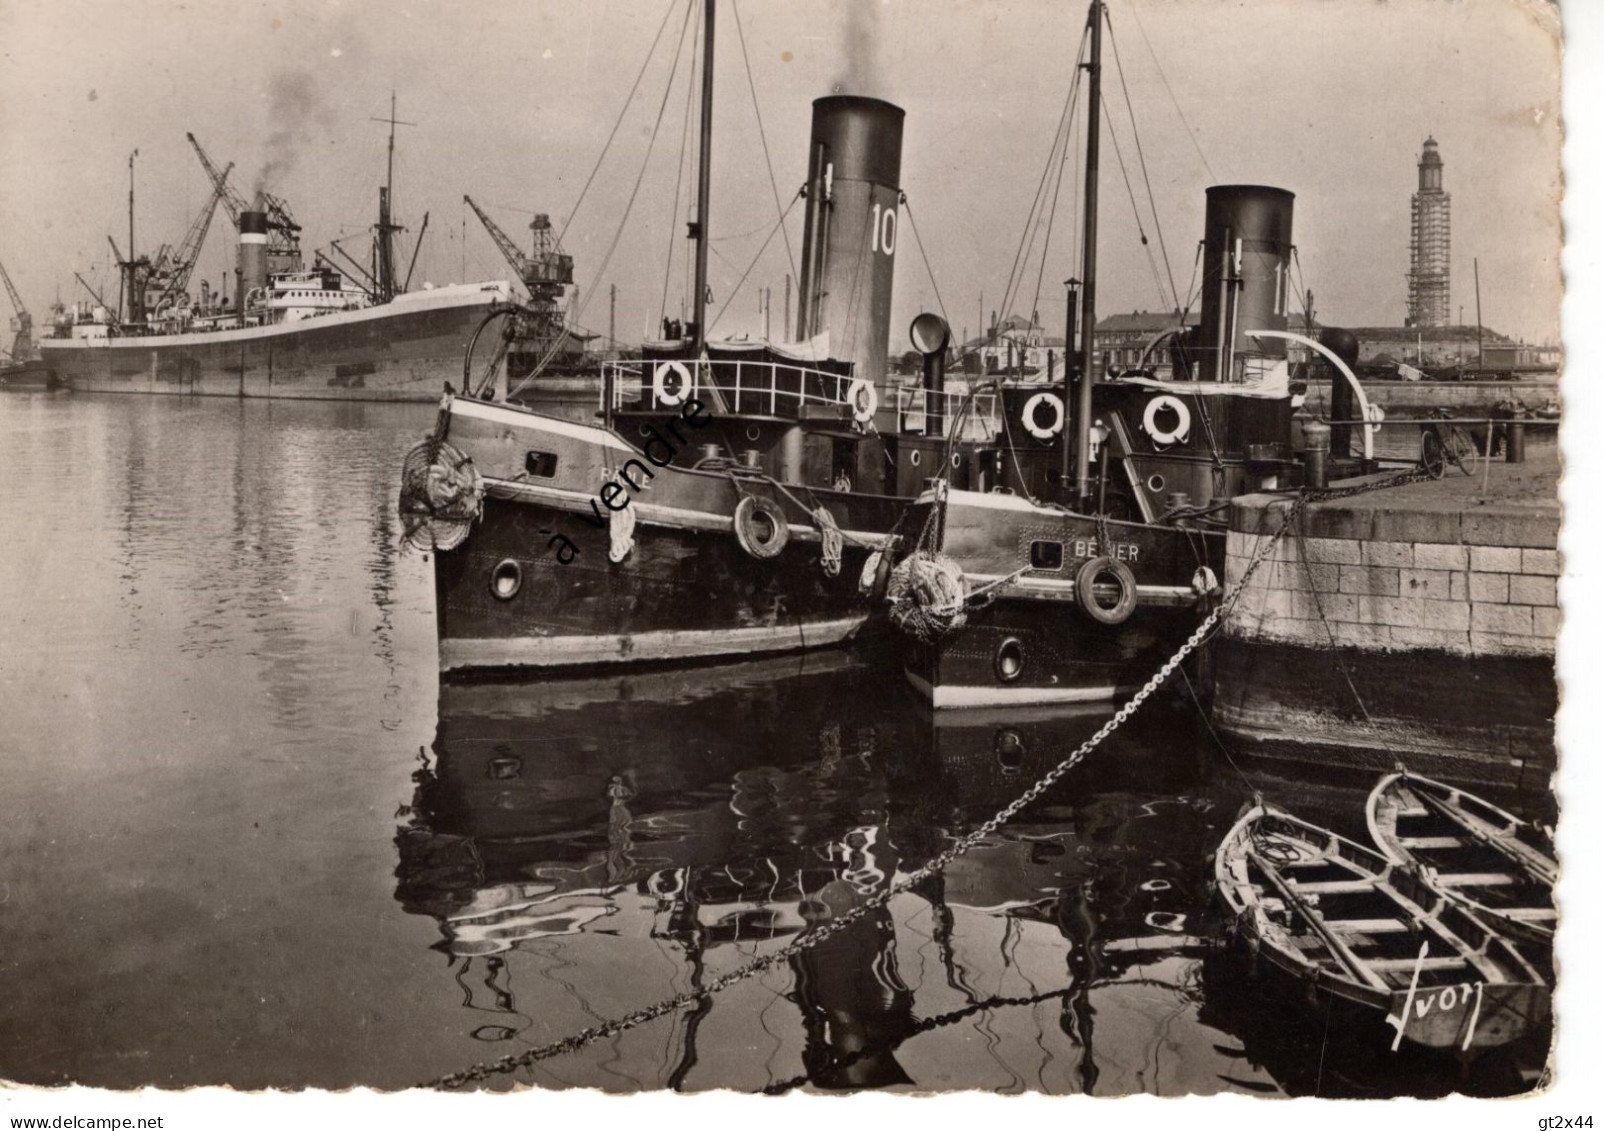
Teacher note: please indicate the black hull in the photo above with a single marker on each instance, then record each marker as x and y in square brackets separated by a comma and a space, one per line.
[1027, 639]
[681, 594]
[1066, 657]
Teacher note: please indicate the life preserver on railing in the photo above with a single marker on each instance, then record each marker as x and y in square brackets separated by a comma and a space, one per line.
[660, 379]
[1027, 416]
[1100, 571]
[760, 527]
[1183, 420]
[864, 399]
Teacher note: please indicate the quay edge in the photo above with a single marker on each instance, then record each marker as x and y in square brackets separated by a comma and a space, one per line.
[1407, 624]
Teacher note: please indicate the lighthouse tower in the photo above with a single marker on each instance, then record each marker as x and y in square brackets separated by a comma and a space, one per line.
[1428, 244]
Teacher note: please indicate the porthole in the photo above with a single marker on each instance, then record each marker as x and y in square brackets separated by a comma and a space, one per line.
[957, 460]
[1009, 747]
[1009, 661]
[753, 432]
[913, 459]
[1155, 483]
[506, 579]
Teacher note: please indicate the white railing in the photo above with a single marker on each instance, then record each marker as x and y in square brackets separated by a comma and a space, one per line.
[980, 422]
[770, 388]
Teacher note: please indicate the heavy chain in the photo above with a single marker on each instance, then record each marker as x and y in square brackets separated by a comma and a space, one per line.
[937, 864]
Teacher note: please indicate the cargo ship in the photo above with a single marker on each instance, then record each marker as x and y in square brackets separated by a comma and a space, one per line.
[290, 330]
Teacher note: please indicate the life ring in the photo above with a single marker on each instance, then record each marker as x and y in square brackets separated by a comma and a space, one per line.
[1027, 416]
[1183, 420]
[760, 527]
[660, 390]
[1086, 581]
[864, 399]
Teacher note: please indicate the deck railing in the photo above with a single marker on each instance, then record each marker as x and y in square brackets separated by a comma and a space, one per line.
[745, 388]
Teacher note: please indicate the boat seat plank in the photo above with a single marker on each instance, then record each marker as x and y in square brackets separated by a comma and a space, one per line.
[1434, 842]
[1475, 879]
[1331, 887]
[1389, 965]
[1367, 926]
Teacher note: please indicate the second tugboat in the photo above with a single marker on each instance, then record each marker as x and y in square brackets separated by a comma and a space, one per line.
[1079, 577]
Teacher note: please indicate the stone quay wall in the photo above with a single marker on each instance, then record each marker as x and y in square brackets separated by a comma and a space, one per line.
[1471, 582]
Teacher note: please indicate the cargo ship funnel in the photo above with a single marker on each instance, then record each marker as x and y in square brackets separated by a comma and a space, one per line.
[252, 251]
[1247, 252]
[849, 238]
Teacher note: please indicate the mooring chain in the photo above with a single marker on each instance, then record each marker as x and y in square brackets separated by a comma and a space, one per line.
[514, 1061]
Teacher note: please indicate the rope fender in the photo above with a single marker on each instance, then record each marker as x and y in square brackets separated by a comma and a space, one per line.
[442, 495]
[829, 541]
[927, 596]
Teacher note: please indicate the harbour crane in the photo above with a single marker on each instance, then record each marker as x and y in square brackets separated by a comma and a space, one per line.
[547, 271]
[283, 243]
[172, 269]
[21, 321]
[544, 273]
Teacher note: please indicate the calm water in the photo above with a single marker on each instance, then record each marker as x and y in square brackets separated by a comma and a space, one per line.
[251, 839]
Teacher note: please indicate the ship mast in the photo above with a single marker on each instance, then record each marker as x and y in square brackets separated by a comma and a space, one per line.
[698, 230]
[1088, 294]
[384, 246]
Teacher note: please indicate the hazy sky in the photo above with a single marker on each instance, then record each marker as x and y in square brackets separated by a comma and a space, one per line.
[513, 101]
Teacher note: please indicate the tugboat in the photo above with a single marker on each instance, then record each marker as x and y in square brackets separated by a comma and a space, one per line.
[732, 494]
[1093, 557]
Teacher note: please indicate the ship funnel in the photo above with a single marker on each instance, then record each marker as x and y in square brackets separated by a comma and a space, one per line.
[849, 236]
[1247, 252]
[252, 251]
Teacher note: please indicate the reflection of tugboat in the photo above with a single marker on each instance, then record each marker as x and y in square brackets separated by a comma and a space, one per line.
[703, 816]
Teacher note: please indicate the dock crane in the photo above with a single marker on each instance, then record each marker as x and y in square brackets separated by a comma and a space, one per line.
[283, 241]
[171, 270]
[547, 271]
[544, 273]
[21, 321]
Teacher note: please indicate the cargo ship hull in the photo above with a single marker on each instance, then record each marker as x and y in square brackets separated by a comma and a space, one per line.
[404, 350]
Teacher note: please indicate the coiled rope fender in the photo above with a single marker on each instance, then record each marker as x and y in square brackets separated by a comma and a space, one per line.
[926, 592]
[762, 539]
[829, 541]
[620, 534]
[442, 495]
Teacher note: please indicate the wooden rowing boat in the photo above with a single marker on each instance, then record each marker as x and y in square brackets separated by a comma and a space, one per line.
[1341, 916]
[1477, 855]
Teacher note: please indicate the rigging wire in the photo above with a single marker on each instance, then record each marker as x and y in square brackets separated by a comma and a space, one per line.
[1032, 216]
[1047, 243]
[607, 259]
[629, 98]
[778, 226]
[1191, 134]
[1140, 230]
[1158, 228]
[908, 207]
[679, 179]
[762, 136]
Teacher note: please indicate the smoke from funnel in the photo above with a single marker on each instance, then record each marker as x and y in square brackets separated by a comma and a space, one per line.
[295, 105]
[860, 34]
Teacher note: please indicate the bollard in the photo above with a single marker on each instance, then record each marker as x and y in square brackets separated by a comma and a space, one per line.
[1515, 441]
[1316, 451]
